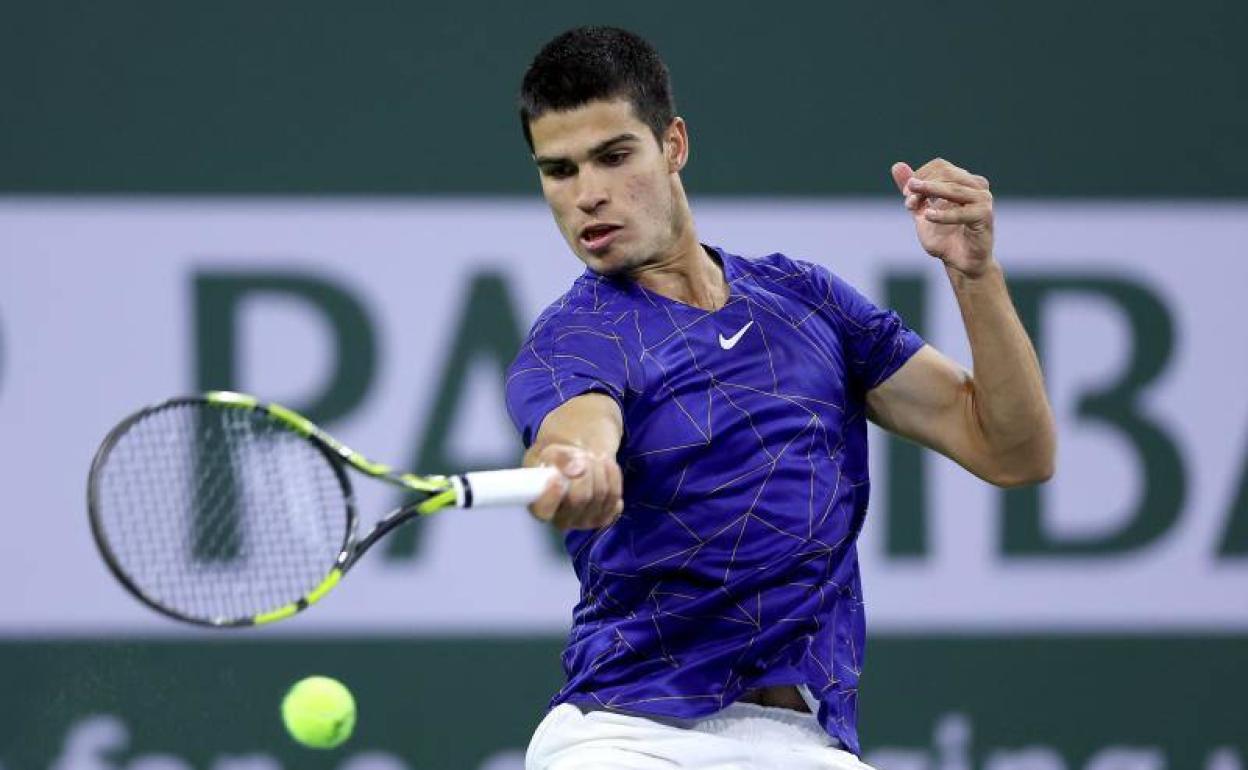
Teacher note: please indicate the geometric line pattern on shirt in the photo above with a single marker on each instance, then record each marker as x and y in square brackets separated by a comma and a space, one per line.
[624, 340]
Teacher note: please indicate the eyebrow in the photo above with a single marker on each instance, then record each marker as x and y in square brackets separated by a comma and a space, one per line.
[597, 149]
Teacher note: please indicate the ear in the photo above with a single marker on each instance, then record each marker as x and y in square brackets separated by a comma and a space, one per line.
[676, 145]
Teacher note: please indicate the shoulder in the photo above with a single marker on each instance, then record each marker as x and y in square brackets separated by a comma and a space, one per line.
[780, 273]
[775, 266]
[592, 299]
[799, 285]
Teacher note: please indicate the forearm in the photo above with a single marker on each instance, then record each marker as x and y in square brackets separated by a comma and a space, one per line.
[580, 438]
[591, 422]
[1005, 399]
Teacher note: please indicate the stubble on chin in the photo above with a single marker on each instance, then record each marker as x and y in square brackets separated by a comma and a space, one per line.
[607, 268]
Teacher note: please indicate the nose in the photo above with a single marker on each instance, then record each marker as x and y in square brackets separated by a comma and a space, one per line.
[591, 191]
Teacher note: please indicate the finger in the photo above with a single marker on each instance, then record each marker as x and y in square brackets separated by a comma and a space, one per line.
[950, 191]
[937, 168]
[566, 512]
[563, 520]
[612, 504]
[913, 201]
[570, 509]
[901, 174]
[580, 495]
[942, 170]
[544, 506]
[961, 215]
[615, 479]
[577, 510]
[601, 514]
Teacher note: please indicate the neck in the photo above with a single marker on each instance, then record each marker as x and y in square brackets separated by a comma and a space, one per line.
[686, 273]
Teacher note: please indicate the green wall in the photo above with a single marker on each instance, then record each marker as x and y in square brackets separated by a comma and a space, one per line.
[1120, 99]
[452, 703]
[1066, 99]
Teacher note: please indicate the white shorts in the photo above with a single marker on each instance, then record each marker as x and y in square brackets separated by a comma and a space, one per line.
[743, 736]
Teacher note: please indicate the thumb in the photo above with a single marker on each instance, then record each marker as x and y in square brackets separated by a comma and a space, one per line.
[544, 507]
[901, 172]
[570, 460]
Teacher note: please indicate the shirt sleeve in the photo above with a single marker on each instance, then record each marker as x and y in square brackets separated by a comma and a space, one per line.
[876, 341]
[558, 362]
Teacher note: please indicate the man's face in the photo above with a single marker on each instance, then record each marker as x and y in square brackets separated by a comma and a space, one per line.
[609, 184]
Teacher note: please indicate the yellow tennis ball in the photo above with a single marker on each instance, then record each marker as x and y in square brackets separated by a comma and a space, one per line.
[319, 712]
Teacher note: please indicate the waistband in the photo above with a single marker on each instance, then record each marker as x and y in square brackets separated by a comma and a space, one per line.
[765, 724]
[748, 722]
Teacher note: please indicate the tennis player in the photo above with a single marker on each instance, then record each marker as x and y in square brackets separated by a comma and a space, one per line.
[710, 411]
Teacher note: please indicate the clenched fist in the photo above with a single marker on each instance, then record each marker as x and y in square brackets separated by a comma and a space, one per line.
[589, 494]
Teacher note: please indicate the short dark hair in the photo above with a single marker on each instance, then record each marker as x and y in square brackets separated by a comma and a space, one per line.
[590, 63]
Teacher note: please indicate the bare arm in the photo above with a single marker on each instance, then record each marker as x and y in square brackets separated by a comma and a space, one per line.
[581, 438]
[997, 423]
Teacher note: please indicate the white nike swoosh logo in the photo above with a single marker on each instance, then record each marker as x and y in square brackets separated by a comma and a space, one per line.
[731, 342]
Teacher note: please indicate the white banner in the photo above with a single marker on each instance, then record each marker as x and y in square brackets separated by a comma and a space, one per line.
[1144, 342]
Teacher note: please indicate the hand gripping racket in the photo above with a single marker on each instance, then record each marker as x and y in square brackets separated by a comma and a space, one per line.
[224, 511]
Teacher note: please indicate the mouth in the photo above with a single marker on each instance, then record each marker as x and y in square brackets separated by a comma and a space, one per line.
[598, 237]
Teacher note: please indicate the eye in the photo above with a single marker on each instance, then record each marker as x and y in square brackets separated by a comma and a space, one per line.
[615, 158]
[558, 170]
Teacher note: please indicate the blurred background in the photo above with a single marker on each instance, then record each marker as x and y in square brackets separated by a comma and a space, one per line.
[332, 205]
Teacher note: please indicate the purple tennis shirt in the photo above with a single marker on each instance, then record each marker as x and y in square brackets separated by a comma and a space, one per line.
[733, 565]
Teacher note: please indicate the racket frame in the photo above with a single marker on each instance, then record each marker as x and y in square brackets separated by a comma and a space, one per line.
[437, 492]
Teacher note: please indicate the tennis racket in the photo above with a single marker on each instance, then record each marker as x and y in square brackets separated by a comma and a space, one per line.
[224, 511]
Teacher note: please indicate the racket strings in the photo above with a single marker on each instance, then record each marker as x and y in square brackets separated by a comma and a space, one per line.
[219, 514]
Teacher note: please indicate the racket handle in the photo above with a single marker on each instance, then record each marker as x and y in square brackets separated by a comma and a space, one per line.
[513, 486]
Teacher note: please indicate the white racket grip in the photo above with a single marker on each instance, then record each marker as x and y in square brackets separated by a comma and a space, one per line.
[512, 486]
